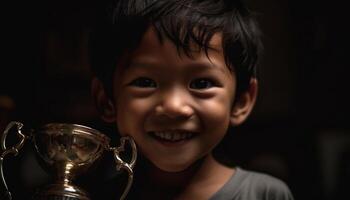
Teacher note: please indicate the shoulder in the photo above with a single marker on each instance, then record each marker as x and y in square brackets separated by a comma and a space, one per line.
[252, 185]
[263, 186]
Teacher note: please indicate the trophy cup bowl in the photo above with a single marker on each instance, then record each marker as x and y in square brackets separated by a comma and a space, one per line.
[67, 150]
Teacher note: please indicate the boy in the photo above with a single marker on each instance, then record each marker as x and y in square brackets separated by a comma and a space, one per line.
[174, 75]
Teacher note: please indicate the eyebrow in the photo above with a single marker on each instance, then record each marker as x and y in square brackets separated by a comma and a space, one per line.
[141, 64]
[207, 66]
[194, 65]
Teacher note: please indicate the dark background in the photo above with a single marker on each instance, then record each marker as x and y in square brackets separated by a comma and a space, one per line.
[299, 130]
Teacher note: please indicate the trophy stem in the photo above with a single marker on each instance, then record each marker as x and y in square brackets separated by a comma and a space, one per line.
[65, 176]
[63, 187]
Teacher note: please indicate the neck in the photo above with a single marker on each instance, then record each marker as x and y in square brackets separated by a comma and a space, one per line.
[206, 171]
[172, 180]
[154, 183]
[209, 178]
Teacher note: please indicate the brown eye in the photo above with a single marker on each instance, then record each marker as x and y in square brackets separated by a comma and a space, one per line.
[143, 82]
[202, 83]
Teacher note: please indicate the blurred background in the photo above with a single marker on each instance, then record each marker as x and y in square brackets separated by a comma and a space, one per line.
[299, 130]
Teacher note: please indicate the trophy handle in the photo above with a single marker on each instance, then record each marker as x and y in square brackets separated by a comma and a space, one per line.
[124, 165]
[11, 150]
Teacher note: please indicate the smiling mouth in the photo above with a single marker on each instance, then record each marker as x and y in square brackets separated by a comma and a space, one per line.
[172, 135]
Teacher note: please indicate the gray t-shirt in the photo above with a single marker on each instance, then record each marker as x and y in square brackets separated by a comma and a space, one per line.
[248, 185]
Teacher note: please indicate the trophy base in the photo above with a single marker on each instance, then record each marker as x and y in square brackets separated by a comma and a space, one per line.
[61, 192]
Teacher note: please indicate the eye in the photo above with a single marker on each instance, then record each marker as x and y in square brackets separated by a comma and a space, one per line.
[143, 82]
[202, 83]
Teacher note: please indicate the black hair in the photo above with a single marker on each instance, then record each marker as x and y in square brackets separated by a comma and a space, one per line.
[184, 22]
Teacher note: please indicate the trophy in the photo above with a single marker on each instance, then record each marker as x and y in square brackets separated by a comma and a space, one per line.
[67, 151]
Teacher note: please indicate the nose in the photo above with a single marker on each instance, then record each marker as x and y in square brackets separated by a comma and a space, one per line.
[175, 103]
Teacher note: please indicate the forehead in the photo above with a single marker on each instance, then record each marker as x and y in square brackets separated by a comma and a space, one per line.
[153, 50]
[153, 39]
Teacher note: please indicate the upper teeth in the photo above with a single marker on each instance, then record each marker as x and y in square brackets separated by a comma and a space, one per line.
[173, 135]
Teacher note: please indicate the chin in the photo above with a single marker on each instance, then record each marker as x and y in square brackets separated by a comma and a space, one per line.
[171, 167]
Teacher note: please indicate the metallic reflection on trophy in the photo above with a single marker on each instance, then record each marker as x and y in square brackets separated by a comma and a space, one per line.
[68, 150]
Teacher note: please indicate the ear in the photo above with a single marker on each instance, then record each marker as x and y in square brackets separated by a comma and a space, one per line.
[104, 105]
[244, 104]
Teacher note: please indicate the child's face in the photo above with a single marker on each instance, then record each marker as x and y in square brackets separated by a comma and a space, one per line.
[176, 108]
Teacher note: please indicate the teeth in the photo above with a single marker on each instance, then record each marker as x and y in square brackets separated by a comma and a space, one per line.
[173, 135]
[177, 136]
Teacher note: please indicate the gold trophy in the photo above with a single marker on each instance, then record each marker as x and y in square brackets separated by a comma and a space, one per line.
[68, 150]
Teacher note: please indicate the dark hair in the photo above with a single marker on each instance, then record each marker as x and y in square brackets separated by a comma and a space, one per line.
[183, 22]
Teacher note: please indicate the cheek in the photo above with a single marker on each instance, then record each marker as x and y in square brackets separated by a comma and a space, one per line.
[216, 115]
[215, 122]
[131, 114]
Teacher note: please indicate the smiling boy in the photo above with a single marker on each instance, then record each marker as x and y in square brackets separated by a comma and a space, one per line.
[174, 75]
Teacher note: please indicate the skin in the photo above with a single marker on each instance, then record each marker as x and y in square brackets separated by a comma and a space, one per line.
[156, 89]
